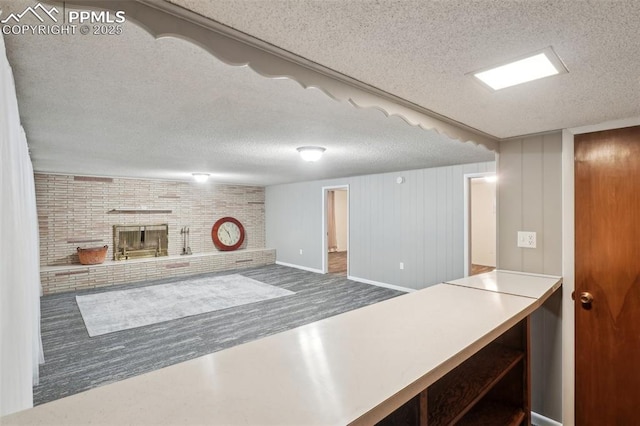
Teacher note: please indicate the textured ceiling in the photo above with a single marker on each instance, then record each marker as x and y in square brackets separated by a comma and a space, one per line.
[134, 106]
[130, 105]
[422, 50]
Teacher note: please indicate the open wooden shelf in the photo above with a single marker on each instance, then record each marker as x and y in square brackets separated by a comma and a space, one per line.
[454, 395]
[491, 388]
[493, 413]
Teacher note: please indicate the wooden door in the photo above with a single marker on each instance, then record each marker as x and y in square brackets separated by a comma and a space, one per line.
[607, 225]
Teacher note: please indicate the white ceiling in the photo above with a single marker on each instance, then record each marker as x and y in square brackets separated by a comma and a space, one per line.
[134, 106]
[422, 50]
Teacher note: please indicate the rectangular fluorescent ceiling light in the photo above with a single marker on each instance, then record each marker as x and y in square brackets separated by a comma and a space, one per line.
[532, 67]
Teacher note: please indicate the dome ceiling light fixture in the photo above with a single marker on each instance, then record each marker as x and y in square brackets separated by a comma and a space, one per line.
[200, 177]
[311, 153]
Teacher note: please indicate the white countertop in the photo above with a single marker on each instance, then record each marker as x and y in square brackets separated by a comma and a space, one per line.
[352, 368]
[510, 282]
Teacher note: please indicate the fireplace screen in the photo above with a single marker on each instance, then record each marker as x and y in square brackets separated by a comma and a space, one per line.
[136, 241]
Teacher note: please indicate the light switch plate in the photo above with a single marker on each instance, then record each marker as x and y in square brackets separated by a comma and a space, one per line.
[526, 239]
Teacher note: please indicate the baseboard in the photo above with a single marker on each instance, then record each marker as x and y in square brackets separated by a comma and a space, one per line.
[360, 280]
[540, 420]
[379, 284]
[304, 268]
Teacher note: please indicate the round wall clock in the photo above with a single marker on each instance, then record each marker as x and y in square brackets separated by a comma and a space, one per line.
[227, 234]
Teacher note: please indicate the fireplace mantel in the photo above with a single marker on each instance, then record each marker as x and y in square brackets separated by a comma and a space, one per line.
[135, 210]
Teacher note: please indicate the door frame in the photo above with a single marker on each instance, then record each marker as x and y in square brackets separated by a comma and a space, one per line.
[325, 251]
[467, 217]
[568, 259]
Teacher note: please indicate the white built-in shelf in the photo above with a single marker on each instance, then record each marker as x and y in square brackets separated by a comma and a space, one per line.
[107, 263]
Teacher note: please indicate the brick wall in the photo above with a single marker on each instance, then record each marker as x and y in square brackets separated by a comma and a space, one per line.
[74, 211]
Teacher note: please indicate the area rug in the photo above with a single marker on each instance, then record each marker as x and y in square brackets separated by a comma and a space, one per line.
[125, 309]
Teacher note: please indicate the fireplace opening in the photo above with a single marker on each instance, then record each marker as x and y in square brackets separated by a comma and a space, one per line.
[138, 241]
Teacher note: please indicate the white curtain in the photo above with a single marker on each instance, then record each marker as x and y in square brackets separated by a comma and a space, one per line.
[20, 343]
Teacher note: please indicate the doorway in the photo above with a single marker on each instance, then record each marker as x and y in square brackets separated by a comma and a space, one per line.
[336, 230]
[480, 223]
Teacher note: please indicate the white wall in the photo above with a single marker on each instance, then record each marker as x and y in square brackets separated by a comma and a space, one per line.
[530, 199]
[340, 206]
[483, 222]
[419, 222]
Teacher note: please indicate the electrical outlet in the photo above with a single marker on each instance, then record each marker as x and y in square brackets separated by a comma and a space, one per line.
[526, 239]
[401, 265]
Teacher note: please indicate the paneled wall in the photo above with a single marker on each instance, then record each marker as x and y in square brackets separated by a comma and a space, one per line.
[530, 194]
[74, 211]
[418, 222]
[530, 199]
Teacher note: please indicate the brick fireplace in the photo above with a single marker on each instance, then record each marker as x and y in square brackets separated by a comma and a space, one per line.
[85, 211]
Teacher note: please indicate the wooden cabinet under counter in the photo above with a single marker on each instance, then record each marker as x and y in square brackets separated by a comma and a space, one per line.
[492, 386]
[489, 388]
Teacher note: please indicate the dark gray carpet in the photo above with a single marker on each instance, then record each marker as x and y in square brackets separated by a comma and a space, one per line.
[76, 362]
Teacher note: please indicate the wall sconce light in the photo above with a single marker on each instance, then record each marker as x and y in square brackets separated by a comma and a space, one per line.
[311, 153]
[200, 177]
